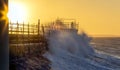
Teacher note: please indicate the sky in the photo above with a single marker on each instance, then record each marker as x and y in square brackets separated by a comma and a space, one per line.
[95, 17]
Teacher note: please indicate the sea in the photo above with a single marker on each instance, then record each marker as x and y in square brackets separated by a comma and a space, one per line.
[71, 51]
[107, 45]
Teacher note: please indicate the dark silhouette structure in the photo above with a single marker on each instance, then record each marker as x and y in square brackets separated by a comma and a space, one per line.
[4, 56]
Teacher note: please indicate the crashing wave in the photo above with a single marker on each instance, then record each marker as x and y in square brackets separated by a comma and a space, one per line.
[69, 50]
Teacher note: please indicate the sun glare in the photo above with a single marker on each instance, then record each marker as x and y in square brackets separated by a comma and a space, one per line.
[17, 12]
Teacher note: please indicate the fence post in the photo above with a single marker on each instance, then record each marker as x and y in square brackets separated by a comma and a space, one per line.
[39, 32]
[33, 41]
[23, 40]
[28, 39]
[23, 28]
[23, 33]
[43, 30]
[38, 27]
[11, 27]
[17, 32]
[28, 31]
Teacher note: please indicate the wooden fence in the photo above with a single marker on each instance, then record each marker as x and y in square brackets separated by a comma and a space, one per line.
[26, 38]
[29, 38]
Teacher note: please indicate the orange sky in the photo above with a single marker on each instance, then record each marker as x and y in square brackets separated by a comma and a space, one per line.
[96, 17]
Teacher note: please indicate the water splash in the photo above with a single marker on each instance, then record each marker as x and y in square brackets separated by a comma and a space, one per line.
[70, 51]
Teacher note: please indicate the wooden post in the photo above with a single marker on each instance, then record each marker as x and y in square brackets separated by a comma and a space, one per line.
[38, 27]
[28, 39]
[28, 34]
[23, 33]
[39, 32]
[33, 39]
[10, 27]
[4, 40]
[28, 30]
[23, 28]
[23, 39]
[17, 32]
[43, 30]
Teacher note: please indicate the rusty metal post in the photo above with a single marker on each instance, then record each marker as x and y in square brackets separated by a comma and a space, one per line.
[4, 54]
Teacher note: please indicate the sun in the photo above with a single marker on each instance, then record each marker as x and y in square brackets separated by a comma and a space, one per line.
[17, 12]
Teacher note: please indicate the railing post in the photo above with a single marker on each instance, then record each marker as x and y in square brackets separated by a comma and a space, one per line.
[23, 28]
[23, 40]
[43, 30]
[23, 33]
[39, 32]
[38, 27]
[10, 24]
[17, 34]
[28, 30]
[28, 39]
